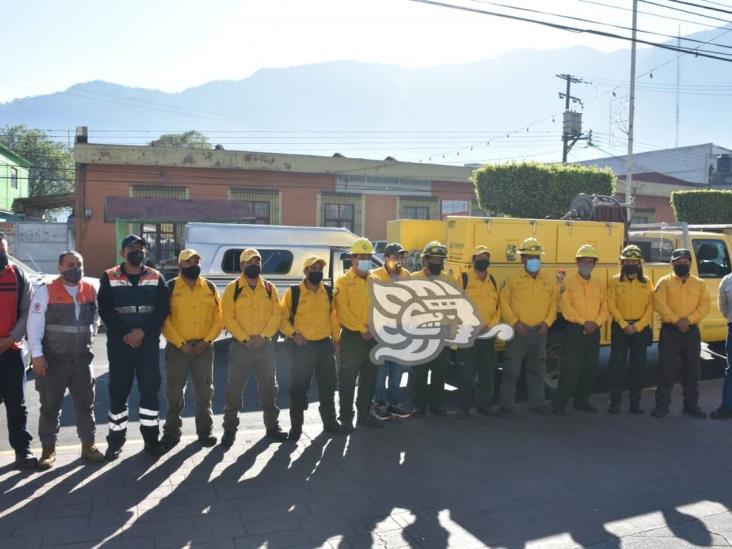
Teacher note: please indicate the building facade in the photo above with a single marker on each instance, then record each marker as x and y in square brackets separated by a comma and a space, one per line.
[13, 180]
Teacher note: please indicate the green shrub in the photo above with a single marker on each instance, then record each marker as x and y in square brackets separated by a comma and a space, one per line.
[702, 206]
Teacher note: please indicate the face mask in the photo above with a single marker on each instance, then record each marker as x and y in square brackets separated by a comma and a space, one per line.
[363, 265]
[533, 265]
[72, 275]
[481, 265]
[631, 270]
[681, 269]
[192, 272]
[3, 260]
[315, 277]
[434, 268]
[252, 271]
[585, 270]
[135, 257]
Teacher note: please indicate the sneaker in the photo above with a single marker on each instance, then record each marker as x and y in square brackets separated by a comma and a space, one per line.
[380, 411]
[169, 442]
[113, 452]
[155, 449]
[228, 439]
[48, 459]
[294, 434]
[91, 453]
[659, 412]
[721, 413]
[370, 421]
[277, 434]
[207, 441]
[395, 410]
[695, 412]
[25, 459]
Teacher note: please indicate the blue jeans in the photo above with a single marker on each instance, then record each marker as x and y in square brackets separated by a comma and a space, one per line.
[394, 372]
[727, 391]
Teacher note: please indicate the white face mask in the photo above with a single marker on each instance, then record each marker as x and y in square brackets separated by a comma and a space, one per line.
[363, 265]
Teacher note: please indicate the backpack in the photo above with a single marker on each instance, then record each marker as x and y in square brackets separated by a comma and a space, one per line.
[238, 289]
[211, 287]
[465, 280]
[295, 289]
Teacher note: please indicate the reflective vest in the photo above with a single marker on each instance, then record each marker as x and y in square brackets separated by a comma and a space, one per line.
[134, 303]
[65, 335]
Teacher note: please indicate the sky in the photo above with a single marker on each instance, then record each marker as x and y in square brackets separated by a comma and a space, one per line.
[171, 45]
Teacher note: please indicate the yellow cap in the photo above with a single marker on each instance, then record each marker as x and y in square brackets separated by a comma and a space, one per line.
[362, 246]
[531, 246]
[248, 254]
[587, 250]
[435, 248]
[187, 254]
[481, 250]
[631, 251]
[312, 260]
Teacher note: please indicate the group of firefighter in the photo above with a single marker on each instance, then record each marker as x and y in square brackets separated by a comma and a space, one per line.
[319, 323]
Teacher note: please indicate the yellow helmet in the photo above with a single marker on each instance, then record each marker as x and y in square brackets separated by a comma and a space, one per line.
[531, 246]
[362, 246]
[587, 250]
[631, 251]
[435, 248]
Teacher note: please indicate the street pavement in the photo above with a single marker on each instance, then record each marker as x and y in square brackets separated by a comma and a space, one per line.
[582, 480]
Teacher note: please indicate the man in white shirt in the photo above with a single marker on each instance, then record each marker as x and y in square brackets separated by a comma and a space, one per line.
[62, 323]
[725, 305]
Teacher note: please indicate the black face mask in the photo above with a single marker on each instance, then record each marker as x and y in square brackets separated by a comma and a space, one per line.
[434, 268]
[3, 260]
[135, 257]
[252, 271]
[630, 270]
[481, 265]
[315, 277]
[72, 275]
[681, 269]
[192, 272]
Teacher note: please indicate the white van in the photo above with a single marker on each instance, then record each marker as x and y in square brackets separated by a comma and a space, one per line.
[283, 250]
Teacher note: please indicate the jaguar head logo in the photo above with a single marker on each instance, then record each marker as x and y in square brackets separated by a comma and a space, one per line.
[413, 320]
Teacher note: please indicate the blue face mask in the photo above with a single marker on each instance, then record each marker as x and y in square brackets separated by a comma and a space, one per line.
[533, 265]
[363, 265]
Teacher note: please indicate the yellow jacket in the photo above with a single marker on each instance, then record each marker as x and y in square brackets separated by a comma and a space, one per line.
[195, 313]
[425, 276]
[584, 300]
[382, 274]
[630, 299]
[255, 312]
[529, 300]
[675, 300]
[352, 301]
[316, 318]
[485, 296]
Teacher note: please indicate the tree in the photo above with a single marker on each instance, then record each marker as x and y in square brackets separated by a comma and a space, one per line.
[52, 163]
[703, 206]
[534, 190]
[191, 139]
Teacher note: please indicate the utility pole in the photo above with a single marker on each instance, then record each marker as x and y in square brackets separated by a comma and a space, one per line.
[678, 84]
[572, 121]
[631, 116]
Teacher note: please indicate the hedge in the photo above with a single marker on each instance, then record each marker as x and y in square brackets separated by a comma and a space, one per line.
[703, 206]
[534, 190]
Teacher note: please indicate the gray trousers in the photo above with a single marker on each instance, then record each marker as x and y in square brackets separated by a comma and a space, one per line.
[178, 366]
[532, 349]
[76, 374]
[242, 362]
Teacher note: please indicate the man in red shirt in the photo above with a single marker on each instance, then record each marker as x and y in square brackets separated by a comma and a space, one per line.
[15, 296]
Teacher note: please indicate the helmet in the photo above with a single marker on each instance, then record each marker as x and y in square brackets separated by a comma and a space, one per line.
[531, 246]
[631, 251]
[362, 246]
[587, 250]
[435, 248]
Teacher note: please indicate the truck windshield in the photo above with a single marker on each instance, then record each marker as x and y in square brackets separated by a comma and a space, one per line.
[712, 258]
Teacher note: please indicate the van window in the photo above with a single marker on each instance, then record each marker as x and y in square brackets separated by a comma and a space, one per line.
[273, 261]
[712, 258]
[655, 250]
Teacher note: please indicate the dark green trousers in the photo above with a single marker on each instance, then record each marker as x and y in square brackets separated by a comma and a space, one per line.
[355, 368]
[620, 345]
[480, 360]
[580, 357]
[433, 393]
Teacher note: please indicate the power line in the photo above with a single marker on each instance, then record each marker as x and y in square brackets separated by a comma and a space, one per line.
[658, 15]
[700, 6]
[664, 6]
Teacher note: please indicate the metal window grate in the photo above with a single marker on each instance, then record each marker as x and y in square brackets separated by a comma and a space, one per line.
[418, 208]
[265, 203]
[341, 210]
[159, 191]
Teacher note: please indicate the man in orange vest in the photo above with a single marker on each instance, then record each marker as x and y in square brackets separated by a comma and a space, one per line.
[62, 323]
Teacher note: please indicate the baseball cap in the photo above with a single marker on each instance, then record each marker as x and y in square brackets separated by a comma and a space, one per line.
[187, 254]
[393, 248]
[481, 250]
[678, 253]
[312, 260]
[248, 254]
[131, 239]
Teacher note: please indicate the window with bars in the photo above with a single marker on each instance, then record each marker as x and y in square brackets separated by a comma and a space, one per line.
[159, 191]
[265, 203]
[14, 178]
[418, 208]
[341, 210]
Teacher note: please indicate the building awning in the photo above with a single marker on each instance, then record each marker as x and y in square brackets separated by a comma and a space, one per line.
[167, 210]
[35, 205]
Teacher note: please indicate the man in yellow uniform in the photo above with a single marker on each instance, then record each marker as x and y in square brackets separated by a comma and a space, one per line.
[387, 401]
[528, 302]
[192, 325]
[352, 306]
[433, 262]
[630, 302]
[682, 300]
[310, 323]
[480, 286]
[252, 315]
[584, 307]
